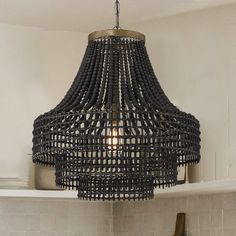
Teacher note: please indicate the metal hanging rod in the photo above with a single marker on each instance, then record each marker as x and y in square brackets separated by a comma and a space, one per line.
[117, 12]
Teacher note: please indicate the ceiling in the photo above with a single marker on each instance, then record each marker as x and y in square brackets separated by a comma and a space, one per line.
[89, 15]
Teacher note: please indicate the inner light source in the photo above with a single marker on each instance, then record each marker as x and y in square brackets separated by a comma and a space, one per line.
[113, 140]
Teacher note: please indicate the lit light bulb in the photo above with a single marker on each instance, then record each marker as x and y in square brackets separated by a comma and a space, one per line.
[113, 140]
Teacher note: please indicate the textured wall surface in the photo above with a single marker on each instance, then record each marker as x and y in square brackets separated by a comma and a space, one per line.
[35, 217]
[207, 215]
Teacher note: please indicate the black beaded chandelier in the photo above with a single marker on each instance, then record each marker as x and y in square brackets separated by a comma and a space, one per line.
[115, 135]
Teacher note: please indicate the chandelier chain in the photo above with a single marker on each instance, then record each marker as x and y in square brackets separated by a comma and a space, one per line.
[117, 12]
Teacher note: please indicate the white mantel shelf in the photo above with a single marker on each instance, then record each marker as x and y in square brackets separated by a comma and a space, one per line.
[25, 193]
[220, 186]
[211, 187]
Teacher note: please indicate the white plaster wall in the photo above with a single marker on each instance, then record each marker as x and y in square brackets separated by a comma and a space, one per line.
[194, 56]
[36, 69]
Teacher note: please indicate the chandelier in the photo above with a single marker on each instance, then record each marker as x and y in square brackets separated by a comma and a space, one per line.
[115, 135]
